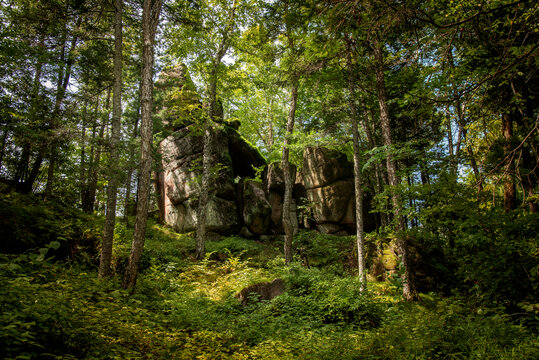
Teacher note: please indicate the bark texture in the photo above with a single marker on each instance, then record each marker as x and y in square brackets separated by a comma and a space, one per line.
[288, 181]
[200, 247]
[150, 19]
[360, 236]
[64, 73]
[409, 291]
[509, 190]
[112, 189]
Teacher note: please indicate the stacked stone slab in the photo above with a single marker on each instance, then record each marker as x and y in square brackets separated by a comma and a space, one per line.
[329, 185]
[228, 209]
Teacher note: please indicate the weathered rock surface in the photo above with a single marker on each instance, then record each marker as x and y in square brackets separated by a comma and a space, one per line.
[322, 167]
[181, 161]
[261, 291]
[329, 184]
[255, 210]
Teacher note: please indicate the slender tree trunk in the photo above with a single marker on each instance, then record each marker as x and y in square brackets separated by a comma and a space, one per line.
[204, 188]
[4, 140]
[95, 158]
[509, 190]
[83, 172]
[25, 180]
[150, 19]
[360, 236]
[288, 181]
[112, 189]
[270, 140]
[208, 125]
[371, 139]
[130, 174]
[409, 292]
[532, 203]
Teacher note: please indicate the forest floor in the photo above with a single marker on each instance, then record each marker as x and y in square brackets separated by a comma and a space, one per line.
[186, 309]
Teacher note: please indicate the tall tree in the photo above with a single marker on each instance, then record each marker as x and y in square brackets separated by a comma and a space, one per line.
[112, 189]
[360, 236]
[222, 49]
[394, 181]
[150, 19]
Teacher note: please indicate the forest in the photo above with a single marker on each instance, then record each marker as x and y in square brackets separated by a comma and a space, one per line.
[269, 179]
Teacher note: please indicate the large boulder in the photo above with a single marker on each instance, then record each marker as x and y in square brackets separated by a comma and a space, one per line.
[220, 216]
[322, 167]
[329, 203]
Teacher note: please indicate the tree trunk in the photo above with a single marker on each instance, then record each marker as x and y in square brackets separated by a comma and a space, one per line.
[83, 172]
[25, 180]
[509, 191]
[288, 181]
[360, 236]
[200, 247]
[95, 158]
[4, 140]
[112, 189]
[150, 19]
[130, 174]
[532, 203]
[371, 139]
[409, 292]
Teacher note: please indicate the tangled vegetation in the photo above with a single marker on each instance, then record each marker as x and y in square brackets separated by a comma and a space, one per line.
[53, 306]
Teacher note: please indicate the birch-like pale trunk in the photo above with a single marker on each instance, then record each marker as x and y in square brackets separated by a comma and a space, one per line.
[360, 235]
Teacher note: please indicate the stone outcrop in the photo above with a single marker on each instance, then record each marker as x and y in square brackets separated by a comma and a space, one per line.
[181, 161]
[323, 192]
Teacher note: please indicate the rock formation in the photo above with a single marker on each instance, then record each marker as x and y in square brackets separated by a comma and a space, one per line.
[181, 154]
[323, 194]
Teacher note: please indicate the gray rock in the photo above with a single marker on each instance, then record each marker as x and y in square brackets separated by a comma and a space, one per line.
[328, 228]
[220, 216]
[322, 167]
[256, 210]
[261, 291]
[329, 203]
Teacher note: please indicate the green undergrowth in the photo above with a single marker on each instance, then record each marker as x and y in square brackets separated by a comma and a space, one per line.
[186, 309]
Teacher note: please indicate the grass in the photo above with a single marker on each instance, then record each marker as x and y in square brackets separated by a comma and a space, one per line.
[186, 309]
